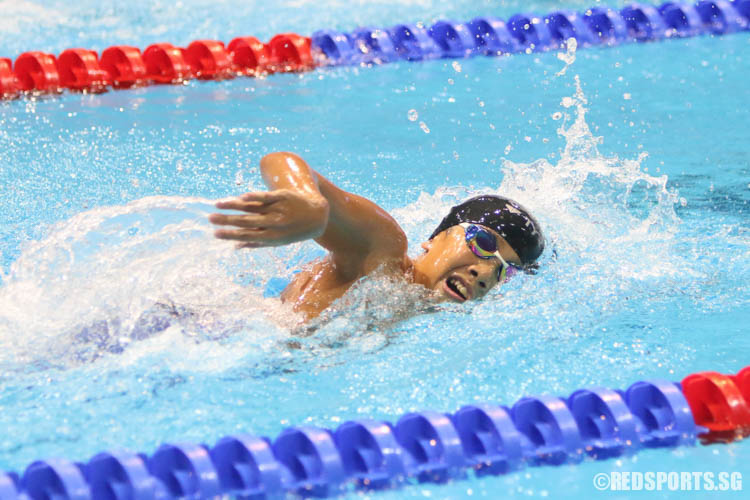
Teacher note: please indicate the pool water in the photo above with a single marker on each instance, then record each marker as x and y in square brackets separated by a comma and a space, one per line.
[634, 160]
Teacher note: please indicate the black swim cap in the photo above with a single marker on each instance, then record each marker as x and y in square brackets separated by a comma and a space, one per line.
[511, 221]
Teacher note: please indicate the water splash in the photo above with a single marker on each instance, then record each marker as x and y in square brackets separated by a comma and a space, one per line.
[611, 230]
[111, 276]
[569, 56]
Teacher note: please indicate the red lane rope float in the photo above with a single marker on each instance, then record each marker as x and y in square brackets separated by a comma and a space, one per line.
[122, 66]
[209, 60]
[8, 80]
[37, 71]
[742, 380]
[249, 56]
[166, 63]
[79, 69]
[717, 403]
[291, 52]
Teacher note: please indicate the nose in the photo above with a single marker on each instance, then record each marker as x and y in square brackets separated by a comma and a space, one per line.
[482, 276]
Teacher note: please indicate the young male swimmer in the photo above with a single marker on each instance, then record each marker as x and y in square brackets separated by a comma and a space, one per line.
[479, 244]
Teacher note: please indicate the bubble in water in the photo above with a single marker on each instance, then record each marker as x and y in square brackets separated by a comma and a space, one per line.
[424, 127]
[556, 115]
[567, 102]
[456, 66]
[413, 115]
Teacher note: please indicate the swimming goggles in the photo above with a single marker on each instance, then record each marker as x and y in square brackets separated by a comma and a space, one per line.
[484, 245]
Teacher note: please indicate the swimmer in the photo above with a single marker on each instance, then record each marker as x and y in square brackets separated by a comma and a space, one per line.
[478, 245]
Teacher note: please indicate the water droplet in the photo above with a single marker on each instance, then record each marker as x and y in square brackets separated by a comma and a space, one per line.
[456, 66]
[626, 96]
[556, 115]
[424, 127]
[413, 115]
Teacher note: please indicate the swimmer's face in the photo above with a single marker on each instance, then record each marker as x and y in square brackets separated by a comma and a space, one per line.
[454, 272]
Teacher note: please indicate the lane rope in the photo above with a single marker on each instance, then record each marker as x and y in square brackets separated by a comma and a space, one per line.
[83, 70]
[427, 446]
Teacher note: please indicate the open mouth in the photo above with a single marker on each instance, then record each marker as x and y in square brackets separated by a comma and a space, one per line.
[457, 288]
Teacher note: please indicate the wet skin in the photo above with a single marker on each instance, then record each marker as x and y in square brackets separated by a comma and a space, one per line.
[359, 235]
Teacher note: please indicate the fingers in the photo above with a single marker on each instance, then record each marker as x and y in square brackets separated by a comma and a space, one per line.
[252, 202]
[244, 235]
[237, 204]
[265, 197]
[250, 238]
[249, 221]
[260, 226]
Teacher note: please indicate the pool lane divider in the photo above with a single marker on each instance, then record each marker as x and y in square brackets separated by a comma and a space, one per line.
[82, 70]
[428, 446]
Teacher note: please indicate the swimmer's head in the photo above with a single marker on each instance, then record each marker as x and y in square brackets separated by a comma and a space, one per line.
[507, 218]
[460, 261]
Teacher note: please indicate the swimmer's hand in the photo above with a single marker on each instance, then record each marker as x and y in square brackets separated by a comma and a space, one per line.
[272, 218]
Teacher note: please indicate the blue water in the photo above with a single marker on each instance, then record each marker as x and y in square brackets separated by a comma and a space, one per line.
[640, 178]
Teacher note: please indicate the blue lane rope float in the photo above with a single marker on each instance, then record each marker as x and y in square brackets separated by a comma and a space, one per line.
[527, 32]
[84, 70]
[427, 446]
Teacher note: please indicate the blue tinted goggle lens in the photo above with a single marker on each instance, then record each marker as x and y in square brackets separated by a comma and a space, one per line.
[484, 245]
[481, 241]
[486, 241]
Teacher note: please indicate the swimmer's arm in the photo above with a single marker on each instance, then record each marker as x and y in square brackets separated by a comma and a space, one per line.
[360, 235]
[292, 210]
[302, 204]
